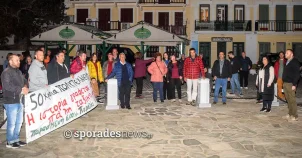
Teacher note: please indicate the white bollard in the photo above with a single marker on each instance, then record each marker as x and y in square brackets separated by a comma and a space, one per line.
[112, 95]
[275, 101]
[203, 97]
[5, 124]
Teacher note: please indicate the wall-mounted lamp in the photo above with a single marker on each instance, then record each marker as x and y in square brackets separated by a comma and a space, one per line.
[289, 44]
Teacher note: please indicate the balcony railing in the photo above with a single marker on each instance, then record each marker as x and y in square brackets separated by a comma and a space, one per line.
[278, 25]
[162, 1]
[223, 25]
[105, 25]
[178, 30]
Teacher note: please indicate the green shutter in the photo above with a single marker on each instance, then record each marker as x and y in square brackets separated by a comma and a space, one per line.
[263, 12]
[280, 12]
[298, 12]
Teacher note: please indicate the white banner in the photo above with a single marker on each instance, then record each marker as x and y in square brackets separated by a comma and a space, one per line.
[58, 104]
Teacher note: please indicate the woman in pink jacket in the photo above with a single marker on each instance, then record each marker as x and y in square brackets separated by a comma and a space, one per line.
[158, 71]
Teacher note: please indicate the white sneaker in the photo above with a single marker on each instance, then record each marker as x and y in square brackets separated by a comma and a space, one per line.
[241, 87]
[180, 100]
[246, 88]
[292, 119]
[286, 117]
[173, 100]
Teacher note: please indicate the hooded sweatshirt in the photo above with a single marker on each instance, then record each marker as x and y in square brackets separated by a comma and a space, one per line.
[37, 76]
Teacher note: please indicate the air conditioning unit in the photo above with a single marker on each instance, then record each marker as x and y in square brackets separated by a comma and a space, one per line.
[125, 26]
[91, 21]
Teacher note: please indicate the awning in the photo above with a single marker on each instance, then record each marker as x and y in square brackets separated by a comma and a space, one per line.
[73, 34]
[146, 33]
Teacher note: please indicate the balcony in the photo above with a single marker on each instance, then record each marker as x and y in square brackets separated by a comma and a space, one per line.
[162, 1]
[223, 25]
[178, 30]
[278, 25]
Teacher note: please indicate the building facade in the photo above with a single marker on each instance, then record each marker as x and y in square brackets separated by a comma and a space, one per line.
[253, 26]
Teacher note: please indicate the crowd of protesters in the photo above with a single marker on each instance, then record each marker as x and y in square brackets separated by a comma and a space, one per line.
[22, 75]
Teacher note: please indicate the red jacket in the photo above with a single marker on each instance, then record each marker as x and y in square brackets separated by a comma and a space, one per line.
[76, 66]
[276, 66]
[192, 69]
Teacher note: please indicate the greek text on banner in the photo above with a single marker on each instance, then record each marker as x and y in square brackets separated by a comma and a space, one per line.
[58, 104]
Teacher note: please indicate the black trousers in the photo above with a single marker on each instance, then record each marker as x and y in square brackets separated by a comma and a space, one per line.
[175, 82]
[244, 78]
[124, 94]
[167, 94]
[267, 104]
[139, 86]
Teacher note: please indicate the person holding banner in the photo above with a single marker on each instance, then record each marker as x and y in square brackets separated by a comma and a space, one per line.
[57, 70]
[37, 73]
[124, 74]
[13, 84]
[79, 63]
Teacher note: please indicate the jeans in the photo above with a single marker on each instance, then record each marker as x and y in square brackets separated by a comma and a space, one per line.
[235, 83]
[124, 94]
[244, 76]
[158, 86]
[139, 86]
[175, 82]
[192, 83]
[14, 113]
[220, 82]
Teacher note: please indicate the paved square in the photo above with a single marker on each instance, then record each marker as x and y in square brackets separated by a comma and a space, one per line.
[234, 130]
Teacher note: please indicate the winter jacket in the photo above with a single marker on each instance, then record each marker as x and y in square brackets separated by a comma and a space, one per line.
[170, 67]
[266, 76]
[291, 72]
[92, 71]
[105, 68]
[117, 72]
[235, 64]
[193, 67]
[140, 67]
[77, 65]
[67, 61]
[276, 67]
[12, 83]
[245, 63]
[157, 72]
[5, 64]
[226, 70]
[25, 69]
[37, 76]
[56, 72]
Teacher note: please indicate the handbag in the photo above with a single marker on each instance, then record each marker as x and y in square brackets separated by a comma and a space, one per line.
[164, 76]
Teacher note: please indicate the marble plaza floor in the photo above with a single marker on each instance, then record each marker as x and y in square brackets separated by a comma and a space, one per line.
[234, 130]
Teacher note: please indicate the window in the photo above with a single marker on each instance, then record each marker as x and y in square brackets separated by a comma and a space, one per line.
[172, 50]
[297, 13]
[148, 17]
[239, 13]
[238, 48]
[204, 12]
[82, 14]
[264, 47]
[205, 49]
[152, 51]
[127, 15]
[263, 12]
[222, 13]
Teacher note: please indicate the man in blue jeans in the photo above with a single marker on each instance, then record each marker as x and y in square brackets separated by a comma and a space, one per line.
[13, 84]
[235, 64]
[222, 73]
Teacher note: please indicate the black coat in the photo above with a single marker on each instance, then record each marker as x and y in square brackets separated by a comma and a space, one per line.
[236, 64]
[226, 70]
[268, 92]
[170, 67]
[56, 72]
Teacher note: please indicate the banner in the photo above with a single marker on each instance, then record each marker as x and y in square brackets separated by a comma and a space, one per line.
[58, 104]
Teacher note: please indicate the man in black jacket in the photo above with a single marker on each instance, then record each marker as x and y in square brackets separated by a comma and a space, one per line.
[235, 64]
[57, 70]
[290, 82]
[13, 84]
[222, 73]
[246, 65]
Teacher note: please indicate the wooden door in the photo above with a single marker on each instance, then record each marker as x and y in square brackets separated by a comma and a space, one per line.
[148, 17]
[104, 19]
[82, 14]
[163, 20]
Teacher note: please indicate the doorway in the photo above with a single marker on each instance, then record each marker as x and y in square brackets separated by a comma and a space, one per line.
[297, 48]
[221, 47]
[238, 48]
[104, 19]
[163, 20]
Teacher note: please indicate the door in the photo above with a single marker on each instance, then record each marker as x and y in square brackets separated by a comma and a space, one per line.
[148, 17]
[179, 21]
[297, 48]
[264, 47]
[238, 48]
[281, 47]
[239, 13]
[205, 49]
[221, 23]
[281, 18]
[104, 19]
[263, 24]
[163, 20]
[82, 14]
[221, 47]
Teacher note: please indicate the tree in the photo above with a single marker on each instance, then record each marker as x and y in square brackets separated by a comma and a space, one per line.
[25, 18]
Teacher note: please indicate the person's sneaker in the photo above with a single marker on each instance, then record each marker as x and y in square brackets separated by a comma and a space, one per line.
[173, 100]
[136, 97]
[189, 103]
[155, 101]
[162, 101]
[21, 143]
[246, 88]
[224, 103]
[268, 110]
[13, 145]
[263, 110]
[180, 100]
[286, 117]
[129, 108]
[292, 118]
[231, 93]
[122, 106]
[100, 101]
[241, 95]
[241, 87]
[214, 103]
[193, 102]
[259, 102]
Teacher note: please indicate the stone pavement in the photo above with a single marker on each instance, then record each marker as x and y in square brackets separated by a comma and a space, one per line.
[234, 130]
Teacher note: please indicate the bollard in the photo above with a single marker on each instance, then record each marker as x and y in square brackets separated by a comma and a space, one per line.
[275, 101]
[203, 96]
[112, 95]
